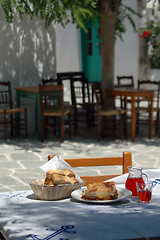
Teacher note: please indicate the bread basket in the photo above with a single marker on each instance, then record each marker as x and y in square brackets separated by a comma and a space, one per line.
[53, 192]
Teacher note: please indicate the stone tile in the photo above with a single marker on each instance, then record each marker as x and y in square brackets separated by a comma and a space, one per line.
[9, 180]
[20, 159]
[29, 173]
[25, 156]
[10, 164]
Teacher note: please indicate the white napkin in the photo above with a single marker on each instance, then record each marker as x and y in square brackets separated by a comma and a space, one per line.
[57, 162]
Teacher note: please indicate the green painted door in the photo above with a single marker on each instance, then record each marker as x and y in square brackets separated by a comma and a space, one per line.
[91, 53]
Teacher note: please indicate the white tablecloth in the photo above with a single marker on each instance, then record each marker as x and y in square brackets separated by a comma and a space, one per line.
[24, 217]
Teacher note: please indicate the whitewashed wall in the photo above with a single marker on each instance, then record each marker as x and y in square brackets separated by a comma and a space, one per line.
[68, 53]
[127, 51]
[27, 54]
[68, 48]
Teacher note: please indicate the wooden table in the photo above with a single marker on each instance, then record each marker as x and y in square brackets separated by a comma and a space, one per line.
[25, 218]
[30, 92]
[134, 95]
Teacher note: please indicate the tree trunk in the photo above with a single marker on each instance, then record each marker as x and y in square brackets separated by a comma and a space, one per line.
[143, 56]
[109, 11]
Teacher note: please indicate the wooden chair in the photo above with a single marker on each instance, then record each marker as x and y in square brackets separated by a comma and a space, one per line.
[143, 105]
[81, 98]
[8, 112]
[52, 105]
[66, 79]
[125, 81]
[124, 161]
[107, 117]
[63, 77]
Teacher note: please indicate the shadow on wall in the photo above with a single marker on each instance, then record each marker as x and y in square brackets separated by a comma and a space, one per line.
[27, 52]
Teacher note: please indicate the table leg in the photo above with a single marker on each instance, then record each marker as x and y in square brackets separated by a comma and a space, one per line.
[17, 116]
[17, 99]
[151, 120]
[133, 120]
[38, 116]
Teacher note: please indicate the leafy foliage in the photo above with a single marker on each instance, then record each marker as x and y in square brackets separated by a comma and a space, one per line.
[58, 11]
[154, 44]
[50, 10]
[124, 13]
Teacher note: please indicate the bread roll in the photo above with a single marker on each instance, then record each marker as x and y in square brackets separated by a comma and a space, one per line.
[73, 180]
[55, 177]
[59, 179]
[69, 173]
[50, 172]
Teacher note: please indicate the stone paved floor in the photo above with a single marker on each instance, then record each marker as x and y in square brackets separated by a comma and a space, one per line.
[20, 159]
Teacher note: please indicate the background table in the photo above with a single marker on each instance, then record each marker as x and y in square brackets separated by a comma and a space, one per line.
[133, 94]
[30, 92]
[23, 217]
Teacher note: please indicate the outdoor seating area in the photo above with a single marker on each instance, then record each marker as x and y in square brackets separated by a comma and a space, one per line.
[80, 120]
[57, 122]
[117, 113]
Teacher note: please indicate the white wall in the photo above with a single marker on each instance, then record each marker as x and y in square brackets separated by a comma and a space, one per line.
[27, 52]
[68, 49]
[68, 53]
[127, 51]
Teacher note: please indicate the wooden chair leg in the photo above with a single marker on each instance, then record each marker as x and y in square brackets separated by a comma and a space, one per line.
[121, 127]
[69, 125]
[99, 128]
[124, 122]
[26, 122]
[11, 125]
[62, 129]
[5, 125]
[137, 122]
[157, 123]
[87, 117]
[75, 119]
[158, 133]
[42, 129]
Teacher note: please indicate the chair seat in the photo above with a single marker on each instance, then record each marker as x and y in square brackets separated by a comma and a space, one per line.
[111, 112]
[56, 112]
[106, 117]
[52, 107]
[85, 104]
[141, 108]
[145, 109]
[12, 111]
[7, 111]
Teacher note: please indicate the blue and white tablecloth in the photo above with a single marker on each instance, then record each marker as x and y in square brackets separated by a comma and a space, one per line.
[24, 217]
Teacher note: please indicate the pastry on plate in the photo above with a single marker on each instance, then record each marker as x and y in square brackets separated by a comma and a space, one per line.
[100, 191]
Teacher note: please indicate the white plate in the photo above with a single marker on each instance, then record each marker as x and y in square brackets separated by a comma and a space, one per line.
[122, 194]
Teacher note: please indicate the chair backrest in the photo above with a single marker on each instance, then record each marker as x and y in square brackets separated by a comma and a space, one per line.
[151, 85]
[5, 95]
[68, 75]
[51, 97]
[51, 81]
[65, 78]
[80, 90]
[125, 81]
[97, 91]
[124, 161]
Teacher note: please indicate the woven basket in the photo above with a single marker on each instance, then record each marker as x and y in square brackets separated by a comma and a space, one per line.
[55, 192]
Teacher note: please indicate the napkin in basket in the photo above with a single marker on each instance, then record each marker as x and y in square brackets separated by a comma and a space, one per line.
[57, 162]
